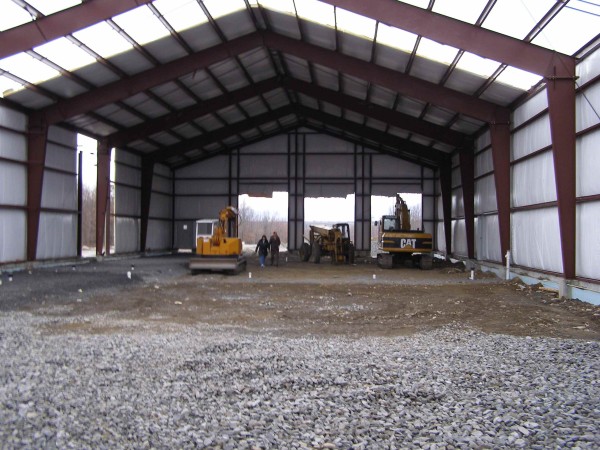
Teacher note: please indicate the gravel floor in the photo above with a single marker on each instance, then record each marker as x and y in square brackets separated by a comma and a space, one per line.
[214, 387]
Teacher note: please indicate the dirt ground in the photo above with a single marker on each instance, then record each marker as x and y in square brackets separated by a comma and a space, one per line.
[293, 299]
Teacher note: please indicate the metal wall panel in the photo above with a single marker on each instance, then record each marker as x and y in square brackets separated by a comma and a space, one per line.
[487, 238]
[588, 69]
[459, 238]
[534, 136]
[587, 114]
[127, 235]
[535, 239]
[161, 206]
[588, 242]
[13, 241]
[57, 236]
[13, 184]
[533, 181]
[588, 164]
[160, 235]
[533, 106]
[484, 163]
[458, 206]
[13, 145]
[128, 201]
[485, 195]
[60, 191]
[13, 120]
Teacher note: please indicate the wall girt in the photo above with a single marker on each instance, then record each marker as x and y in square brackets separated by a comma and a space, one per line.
[35, 33]
[500, 137]
[463, 36]
[561, 106]
[37, 137]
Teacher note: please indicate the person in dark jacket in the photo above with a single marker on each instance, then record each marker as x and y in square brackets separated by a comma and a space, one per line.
[274, 243]
[263, 250]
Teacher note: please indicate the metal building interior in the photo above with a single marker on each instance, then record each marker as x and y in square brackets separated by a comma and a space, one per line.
[490, 110]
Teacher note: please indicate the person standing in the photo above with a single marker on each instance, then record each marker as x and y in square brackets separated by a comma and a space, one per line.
[274, 243]
[263, 250]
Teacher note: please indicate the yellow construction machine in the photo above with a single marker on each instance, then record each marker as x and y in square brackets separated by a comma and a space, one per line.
[218, 247]
[334, 242]
[398, 244]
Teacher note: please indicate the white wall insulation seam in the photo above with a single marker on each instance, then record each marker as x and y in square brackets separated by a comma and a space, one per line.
[533, 180]
[588, 240]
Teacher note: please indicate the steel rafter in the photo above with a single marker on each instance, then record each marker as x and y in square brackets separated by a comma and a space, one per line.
[464, 36]
[31, 34]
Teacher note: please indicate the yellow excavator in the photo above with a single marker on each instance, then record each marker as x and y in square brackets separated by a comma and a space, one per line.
[218, 247]
[398, 244]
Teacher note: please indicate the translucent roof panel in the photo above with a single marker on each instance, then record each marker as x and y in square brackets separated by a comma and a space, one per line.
[575, 25]
[47, 7]
[28, 68]
[467, 11]
[519, 78]
[516, 18]
[181, 14]
[142, 25]
[396, 38]
[316, 11]
[436, 52]
[103, 39]
[8, 85]
[65, 53]
[220, 8]
[355, 24]
[12, 15]
[477, 65]
[284, 6]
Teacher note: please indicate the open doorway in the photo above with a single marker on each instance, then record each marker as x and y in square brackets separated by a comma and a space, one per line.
[327, 211]
[384, 206]
[262, 215]
[86, 149]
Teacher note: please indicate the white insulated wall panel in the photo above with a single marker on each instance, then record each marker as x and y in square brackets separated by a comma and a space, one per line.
[127, 235]
[428, 208]
[62, 136]
[459, 238]
[128, 201]
[60, 191]
[12, 119]
[259, 166]
[261, 189]
[588, 164]
[533, 137]
[13, 184]
[530, 108]
[330, 166]
[201, 187]
[385, 166]
[62, 158]
[13, 145]
[214, 168]
[588, 69]
[440, 237]
[276, 145]
[198, 207]
[588, 104]
[321, 143]
[13, 241]
[485, 195]
[535, 239]
[162, 184]
[131, 176]
[487, 238]
[328, 190]
[159, 235]
[390, 189]
[458, 205]
[533, 181]
[128, 158]
[588, 240]
[484, 163]
[483, 141]
[161, 205]
[456, 179]
[57, 236]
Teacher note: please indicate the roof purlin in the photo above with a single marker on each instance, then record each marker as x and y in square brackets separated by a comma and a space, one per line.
[40, 31]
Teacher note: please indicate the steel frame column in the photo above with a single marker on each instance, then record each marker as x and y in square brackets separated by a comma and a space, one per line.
[37, 137]
[561, 106]
[500, 137]
[146, 196]
[467, 176]
[103, 198]
[446, 187]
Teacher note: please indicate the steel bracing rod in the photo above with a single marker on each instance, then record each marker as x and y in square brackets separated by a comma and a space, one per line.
[463, 36]
[31, 34]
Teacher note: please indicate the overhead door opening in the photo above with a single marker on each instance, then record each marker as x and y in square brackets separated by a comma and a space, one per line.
[261, 215]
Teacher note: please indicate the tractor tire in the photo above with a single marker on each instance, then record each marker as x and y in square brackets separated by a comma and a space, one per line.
[304, 252]
[385, 261]
[426, 262]
[316, 253]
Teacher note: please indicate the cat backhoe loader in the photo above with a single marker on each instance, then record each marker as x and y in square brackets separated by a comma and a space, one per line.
[218, 247]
